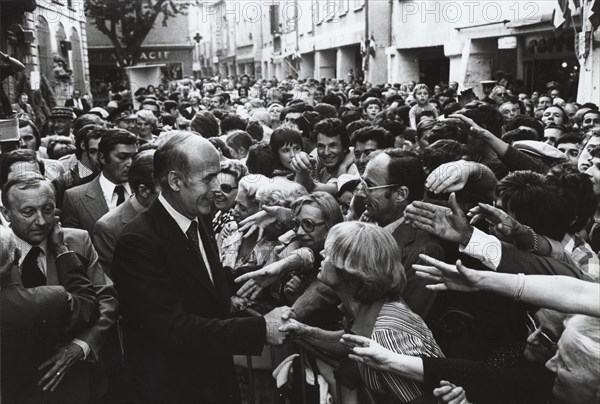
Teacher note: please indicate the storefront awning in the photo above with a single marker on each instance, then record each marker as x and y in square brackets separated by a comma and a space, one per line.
[538, 19]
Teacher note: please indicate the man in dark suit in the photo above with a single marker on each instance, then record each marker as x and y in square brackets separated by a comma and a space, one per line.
[108, 228]
[29, 203]
[179, 336]
[35, 320]
[80, 105]
[85, 204]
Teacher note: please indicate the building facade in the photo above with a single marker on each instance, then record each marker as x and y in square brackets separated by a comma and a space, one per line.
[397, 41]
[170, 45]
[49, 37]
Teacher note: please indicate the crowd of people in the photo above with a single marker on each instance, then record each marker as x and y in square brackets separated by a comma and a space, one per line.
[439, 247]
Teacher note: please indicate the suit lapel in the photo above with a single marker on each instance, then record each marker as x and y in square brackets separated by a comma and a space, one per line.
[179, 248]
[94, 201]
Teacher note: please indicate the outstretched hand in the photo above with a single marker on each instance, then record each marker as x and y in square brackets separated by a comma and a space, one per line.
[449, 224]
[501, 223]
[367, 351]
[260, 220]
[448, 277]
[256, 281]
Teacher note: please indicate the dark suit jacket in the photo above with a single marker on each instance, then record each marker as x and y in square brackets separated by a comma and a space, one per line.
[413, 242]
[107, 230]
[34, 321]
[83, 206]
[86, 107]
[178, 335]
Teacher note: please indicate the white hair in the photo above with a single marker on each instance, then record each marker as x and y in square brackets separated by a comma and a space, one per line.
[584, 336]
[280, 192]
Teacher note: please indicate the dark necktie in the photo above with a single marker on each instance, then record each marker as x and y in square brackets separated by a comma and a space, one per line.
[31, 274]
[192, 235]
[120, 191]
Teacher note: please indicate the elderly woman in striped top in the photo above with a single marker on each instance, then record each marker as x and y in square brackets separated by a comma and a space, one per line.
[362, 265]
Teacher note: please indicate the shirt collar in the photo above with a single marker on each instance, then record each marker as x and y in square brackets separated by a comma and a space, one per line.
[182, 221]
[25, 247]
[108, 187]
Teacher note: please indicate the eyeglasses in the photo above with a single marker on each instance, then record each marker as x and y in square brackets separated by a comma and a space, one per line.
[226, 188]
[363, 185]
[307, 225]
[533, 325]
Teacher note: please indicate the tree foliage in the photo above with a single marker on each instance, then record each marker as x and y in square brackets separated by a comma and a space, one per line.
[127, 22]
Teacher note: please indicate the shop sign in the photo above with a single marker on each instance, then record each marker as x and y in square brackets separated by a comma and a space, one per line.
[154, 55]
[551, 45]
[507, 42]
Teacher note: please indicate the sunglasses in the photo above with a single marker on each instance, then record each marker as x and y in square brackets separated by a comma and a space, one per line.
[226, 188]
[533, 325]
[307, 225]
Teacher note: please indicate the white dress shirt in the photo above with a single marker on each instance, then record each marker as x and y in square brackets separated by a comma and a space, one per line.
[484, 247]
[184, 224]
[108, 189]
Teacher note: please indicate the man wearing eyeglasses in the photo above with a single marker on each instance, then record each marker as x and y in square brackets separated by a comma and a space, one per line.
[392, 180]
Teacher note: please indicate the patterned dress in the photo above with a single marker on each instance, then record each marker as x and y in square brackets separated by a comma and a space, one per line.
[400, 330]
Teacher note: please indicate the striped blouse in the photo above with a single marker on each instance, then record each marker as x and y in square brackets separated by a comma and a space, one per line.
[400, 330]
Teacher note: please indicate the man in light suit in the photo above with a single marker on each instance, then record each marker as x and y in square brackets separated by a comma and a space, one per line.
[29, 201]
[179, 334]
[85, 204]
[80, 105]
[35, 320]
[109, 226]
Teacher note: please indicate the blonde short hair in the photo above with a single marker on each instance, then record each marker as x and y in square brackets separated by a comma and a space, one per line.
[369, 256]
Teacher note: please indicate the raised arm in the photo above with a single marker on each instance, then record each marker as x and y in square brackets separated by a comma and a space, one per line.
[539, 290]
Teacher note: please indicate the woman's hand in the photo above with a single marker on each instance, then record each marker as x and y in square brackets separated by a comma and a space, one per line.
[369, 352]
[449, 393]
[258, 280]
[260, 220]
[449, 277]
[228, 229]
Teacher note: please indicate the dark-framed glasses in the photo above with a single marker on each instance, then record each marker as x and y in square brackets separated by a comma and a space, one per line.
[307, 225]
[533, 325]
[226, 188]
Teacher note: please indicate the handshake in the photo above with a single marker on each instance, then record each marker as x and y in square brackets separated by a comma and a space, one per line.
[280, 325]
